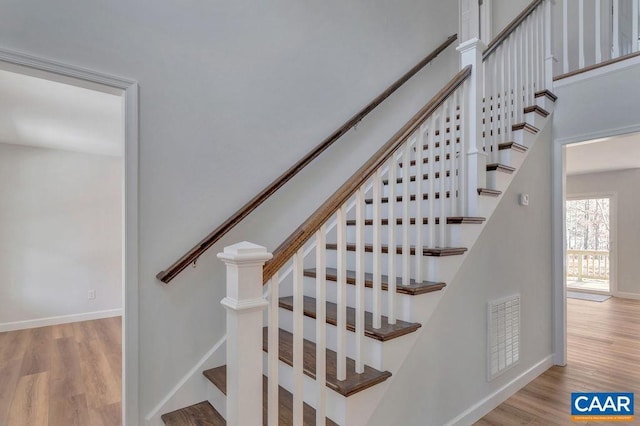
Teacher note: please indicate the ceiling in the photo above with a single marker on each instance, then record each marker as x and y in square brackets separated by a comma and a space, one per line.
[607, 154]
[41, 112]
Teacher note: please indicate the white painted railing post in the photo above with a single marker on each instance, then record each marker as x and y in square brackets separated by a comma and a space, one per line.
[471, 54]
[244, 304]
[548, 54]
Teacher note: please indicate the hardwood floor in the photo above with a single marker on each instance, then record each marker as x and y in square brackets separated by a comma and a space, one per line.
[603, 356]
[63, 375]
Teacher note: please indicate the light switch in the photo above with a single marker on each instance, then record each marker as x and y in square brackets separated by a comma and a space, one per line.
[524, 199]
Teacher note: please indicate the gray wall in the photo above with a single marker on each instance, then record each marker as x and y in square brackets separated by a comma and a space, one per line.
[625, 184]
[61, 228]
[231, 94]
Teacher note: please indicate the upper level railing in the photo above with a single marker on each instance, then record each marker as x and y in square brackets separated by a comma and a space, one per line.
[192, 255]
[595, 33]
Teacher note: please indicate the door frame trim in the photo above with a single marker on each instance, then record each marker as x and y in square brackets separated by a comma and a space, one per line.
[128, 88]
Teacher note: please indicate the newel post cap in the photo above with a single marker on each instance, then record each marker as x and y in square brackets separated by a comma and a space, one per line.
[472, 43]
[245, 252]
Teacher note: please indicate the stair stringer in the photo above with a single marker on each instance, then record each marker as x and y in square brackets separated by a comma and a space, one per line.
[357, 409]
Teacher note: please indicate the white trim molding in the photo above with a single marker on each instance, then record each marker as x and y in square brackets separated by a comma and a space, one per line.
[62, 319]
[626, 295]
[128, 89]
[486, 405]
[597, 72]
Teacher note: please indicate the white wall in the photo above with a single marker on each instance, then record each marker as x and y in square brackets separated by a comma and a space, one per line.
[504, 11]
[232, 93]
[599, 106]
[625, 184]
[445, 374]
[61, 234]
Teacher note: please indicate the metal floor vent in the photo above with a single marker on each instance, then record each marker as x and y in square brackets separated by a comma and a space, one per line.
[503, 335]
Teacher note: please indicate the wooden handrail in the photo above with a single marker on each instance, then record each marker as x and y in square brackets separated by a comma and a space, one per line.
[305, 231]
[192, 255]
[504, 34]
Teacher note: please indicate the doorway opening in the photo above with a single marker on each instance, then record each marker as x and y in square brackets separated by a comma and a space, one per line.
[68, 216]
[588, 257]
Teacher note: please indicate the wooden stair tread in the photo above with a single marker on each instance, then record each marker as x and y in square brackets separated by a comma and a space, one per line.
[500, 168]
[385, 332]
[452, 220]
[413, 289]
[354, 382]
[201, 414]
[218, 376]
[537, 109]
[437, 251]
[546, 93]
[512, 145]
[525, 126]
[489, 192]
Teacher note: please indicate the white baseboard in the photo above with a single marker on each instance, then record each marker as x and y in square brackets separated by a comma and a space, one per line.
[192, 387]
[625, 295]
[63, 319]
[483, 407]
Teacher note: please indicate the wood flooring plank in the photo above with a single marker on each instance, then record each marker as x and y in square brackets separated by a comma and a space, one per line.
[66, 378]
[71, 411]
[101, 387]
[9, 375]
[30, 404]
[37, 356]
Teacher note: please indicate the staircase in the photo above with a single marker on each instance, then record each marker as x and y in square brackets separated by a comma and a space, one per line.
[348, 292]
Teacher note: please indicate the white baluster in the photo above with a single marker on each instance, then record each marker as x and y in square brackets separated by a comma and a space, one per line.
[526, 64]
[431, 225]
[406, 160]
[274, 344]
[244, 304]
[565, 36]
[616, 29]
[634, 26]
[581, 34]
[391, 233]
[360, 276]
[452, 161]
[463, 143]
[298, 336]
[443, 171]
[419, 202]
[503, 94]
[548, 55]
[341, 344]
[598, 31]
[321, 328]
[377, 256]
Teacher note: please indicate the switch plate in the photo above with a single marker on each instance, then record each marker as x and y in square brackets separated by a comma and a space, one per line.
[524, 199]
[91, 295]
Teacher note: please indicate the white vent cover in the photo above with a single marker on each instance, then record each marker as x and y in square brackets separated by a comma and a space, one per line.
[503, 335]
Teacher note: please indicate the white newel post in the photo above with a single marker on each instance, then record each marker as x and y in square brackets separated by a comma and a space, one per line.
[471, 54]
[244, 304]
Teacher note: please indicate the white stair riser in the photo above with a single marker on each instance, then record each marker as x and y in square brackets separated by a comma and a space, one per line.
[434, 268]
[534, 119]
[524, 137]
[499, 180]
[403, 301]
[216, 398]
[545, 103]
[511, 157]
[454, 234]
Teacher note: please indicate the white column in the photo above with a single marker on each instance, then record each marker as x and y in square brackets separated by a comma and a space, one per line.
[471, 54]
[469, 20]
[244, 304]
[548, 55]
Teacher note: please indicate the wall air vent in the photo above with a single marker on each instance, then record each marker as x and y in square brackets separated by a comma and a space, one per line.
[503, 335]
